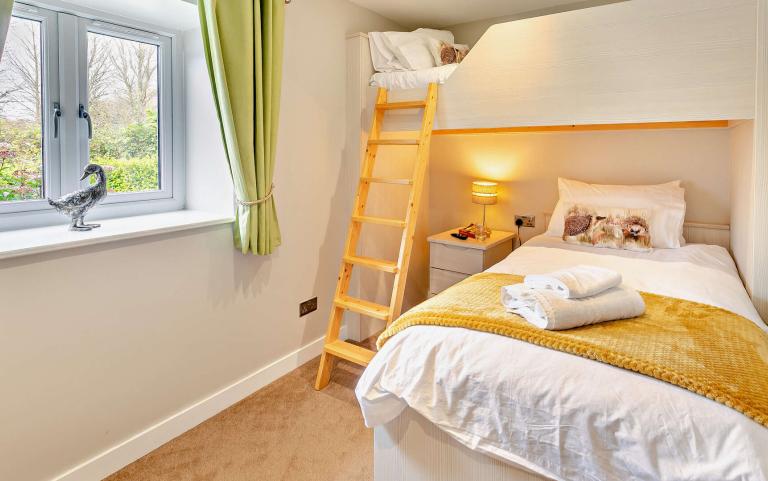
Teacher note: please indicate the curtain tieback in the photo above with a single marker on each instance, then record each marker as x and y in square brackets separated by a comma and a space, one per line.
[257, 201]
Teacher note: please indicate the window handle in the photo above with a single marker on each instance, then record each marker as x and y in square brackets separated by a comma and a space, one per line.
[83, 114]
[56, 117]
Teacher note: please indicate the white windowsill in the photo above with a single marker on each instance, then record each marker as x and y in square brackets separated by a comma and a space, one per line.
[23, 242]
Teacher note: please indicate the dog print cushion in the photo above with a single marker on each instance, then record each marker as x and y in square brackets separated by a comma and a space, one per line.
[611, 227]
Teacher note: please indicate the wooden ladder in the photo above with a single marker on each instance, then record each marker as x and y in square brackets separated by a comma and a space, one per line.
[335, 347]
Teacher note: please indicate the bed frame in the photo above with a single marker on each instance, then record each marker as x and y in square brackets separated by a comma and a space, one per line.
[410, 448]
[715, 234]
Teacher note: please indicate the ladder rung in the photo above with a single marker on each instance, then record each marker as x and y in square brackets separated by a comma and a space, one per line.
[416, 104]
[393, 142]
[379, 220]
[365, 308]
[350, 352]
[379, 264]
[387, 180]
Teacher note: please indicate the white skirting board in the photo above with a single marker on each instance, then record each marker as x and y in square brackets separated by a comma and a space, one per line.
[133, 448]
[411, 448]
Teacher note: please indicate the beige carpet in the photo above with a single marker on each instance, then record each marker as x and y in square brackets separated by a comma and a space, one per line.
[287, 431]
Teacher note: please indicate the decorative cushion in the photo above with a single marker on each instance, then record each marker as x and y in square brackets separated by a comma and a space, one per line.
[611, 227]
[665, 203]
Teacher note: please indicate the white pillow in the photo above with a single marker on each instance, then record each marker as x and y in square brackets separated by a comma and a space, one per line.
[382, 56]
[416, 54]
[435, 46]
[439, 35]
[665, 201]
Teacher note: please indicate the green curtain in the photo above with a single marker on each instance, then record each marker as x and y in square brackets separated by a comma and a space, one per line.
[243, 42]
[6, 6]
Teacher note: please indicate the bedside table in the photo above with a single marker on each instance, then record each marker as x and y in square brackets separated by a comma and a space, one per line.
[452, 259]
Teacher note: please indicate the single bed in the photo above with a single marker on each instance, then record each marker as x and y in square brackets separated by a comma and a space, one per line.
[552, 415]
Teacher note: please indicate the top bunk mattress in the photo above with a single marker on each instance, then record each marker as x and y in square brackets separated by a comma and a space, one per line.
[411, 79]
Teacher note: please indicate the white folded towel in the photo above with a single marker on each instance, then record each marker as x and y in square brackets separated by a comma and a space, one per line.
[544, 308]
[575, 282]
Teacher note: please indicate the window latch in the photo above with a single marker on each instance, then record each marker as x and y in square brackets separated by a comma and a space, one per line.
[56, 117]
[83, 114]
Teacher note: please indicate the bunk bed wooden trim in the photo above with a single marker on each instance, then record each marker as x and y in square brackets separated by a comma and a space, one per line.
[694, 124]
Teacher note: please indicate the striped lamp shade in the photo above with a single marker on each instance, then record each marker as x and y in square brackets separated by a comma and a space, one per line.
[484, 192]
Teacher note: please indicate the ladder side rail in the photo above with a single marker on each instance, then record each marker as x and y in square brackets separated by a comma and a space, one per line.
[414, 204]
[353, 235]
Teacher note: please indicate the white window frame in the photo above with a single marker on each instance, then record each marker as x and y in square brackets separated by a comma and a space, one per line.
[65, 38]
[49, 39]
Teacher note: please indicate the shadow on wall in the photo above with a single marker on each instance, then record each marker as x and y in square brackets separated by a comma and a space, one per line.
[250, 275]
[332, 247]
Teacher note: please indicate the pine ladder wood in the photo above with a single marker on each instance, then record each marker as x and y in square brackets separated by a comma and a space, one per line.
[334, 347]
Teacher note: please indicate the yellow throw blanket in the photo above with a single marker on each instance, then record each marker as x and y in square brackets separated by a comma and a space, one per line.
[705, 349]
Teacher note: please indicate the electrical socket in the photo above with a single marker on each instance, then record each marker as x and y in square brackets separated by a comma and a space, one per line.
[528, 220]
[307, 306]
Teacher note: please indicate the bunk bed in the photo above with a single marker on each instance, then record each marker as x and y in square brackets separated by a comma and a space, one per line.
[602, 65]
[642, 64]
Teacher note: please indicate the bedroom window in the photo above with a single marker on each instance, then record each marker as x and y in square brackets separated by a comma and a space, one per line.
[76, 90]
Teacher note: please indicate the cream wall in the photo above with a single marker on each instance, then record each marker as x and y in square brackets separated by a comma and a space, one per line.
[742, 199]
[527, 166]
[99, 343]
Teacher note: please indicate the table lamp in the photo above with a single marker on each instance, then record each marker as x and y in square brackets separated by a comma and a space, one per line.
[484, 193]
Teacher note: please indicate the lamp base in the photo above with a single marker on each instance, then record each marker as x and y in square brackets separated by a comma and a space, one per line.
[483, 233]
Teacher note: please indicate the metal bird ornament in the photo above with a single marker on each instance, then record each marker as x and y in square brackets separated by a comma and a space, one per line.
[77, 204]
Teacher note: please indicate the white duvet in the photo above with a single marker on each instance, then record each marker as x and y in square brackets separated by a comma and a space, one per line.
[412, 79]
[563, 416]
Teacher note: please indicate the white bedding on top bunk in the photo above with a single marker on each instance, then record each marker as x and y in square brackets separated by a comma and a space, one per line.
[411, 79]
[564, 416]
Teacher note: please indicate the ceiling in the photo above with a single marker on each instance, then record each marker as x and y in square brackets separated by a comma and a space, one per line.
[441, 13]
[170, 14]
[182, 14]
